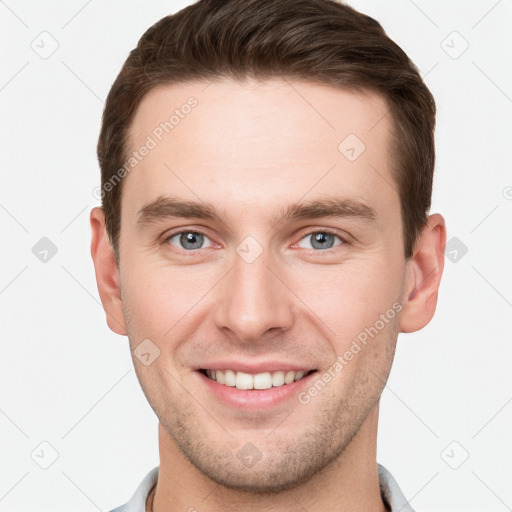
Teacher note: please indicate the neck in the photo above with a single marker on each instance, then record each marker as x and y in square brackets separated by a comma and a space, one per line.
[349, 483]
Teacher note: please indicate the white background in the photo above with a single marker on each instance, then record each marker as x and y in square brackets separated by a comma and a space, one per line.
[67, 380]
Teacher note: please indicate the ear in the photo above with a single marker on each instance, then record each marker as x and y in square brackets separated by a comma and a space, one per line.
[423, 278]
[107, 274]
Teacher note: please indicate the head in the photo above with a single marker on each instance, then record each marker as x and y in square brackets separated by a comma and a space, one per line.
[267, 173]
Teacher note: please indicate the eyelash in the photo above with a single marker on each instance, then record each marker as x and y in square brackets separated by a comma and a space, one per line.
[311, 251]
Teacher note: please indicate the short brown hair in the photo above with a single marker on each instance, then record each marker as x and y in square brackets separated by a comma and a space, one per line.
[320, 41]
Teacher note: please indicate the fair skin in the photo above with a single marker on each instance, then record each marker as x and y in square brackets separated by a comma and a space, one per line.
[251, 150]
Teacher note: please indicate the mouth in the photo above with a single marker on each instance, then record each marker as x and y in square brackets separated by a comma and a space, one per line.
[258, 381]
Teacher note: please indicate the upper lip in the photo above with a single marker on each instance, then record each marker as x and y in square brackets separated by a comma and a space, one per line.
[255, 368]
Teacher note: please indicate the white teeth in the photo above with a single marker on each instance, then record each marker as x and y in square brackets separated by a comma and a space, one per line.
[243, 380]
[265, 380]
[289, 377]
[220, 377]
[298, 375]
[229, 377]
[277, 379]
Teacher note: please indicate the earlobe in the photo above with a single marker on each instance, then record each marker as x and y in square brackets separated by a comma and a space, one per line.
[107, 273]
[424, 272]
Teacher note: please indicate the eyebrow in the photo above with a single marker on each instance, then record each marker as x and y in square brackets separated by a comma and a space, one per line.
[328, 207]
[171, 207]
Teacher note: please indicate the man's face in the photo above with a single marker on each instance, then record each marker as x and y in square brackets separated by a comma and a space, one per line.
[258, 285]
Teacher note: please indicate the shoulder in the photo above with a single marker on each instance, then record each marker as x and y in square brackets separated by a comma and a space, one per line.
[391, 492]
[137, 502]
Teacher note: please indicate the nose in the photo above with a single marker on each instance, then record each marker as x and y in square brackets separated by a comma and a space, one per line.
[254, 303]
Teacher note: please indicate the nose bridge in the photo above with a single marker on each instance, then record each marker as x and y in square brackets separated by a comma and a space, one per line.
[253, 300]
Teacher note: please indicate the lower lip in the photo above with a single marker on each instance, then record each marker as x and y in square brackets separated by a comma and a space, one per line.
[247, 399]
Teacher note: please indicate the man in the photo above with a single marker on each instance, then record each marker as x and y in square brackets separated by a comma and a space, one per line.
[264, 236]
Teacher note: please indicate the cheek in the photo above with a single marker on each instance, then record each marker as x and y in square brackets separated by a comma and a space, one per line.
[351, 296]
[160, 300]
[148, 301]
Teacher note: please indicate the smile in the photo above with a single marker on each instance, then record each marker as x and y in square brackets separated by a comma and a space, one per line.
[264, 380]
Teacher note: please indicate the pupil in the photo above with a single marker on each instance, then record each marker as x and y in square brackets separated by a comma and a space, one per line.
[322, 240]
[191, 240]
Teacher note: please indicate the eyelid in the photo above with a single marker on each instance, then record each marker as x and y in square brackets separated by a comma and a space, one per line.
[183, 229]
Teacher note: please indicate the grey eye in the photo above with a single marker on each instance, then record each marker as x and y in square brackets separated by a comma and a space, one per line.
[189, 240]
[320, 240]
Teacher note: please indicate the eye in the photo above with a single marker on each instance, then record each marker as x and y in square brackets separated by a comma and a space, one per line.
[319, 240]
[189, 240]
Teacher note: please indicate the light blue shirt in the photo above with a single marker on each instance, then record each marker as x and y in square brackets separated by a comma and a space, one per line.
[391, 493]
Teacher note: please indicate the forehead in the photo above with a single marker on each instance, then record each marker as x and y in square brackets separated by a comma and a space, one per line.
[227, 138]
